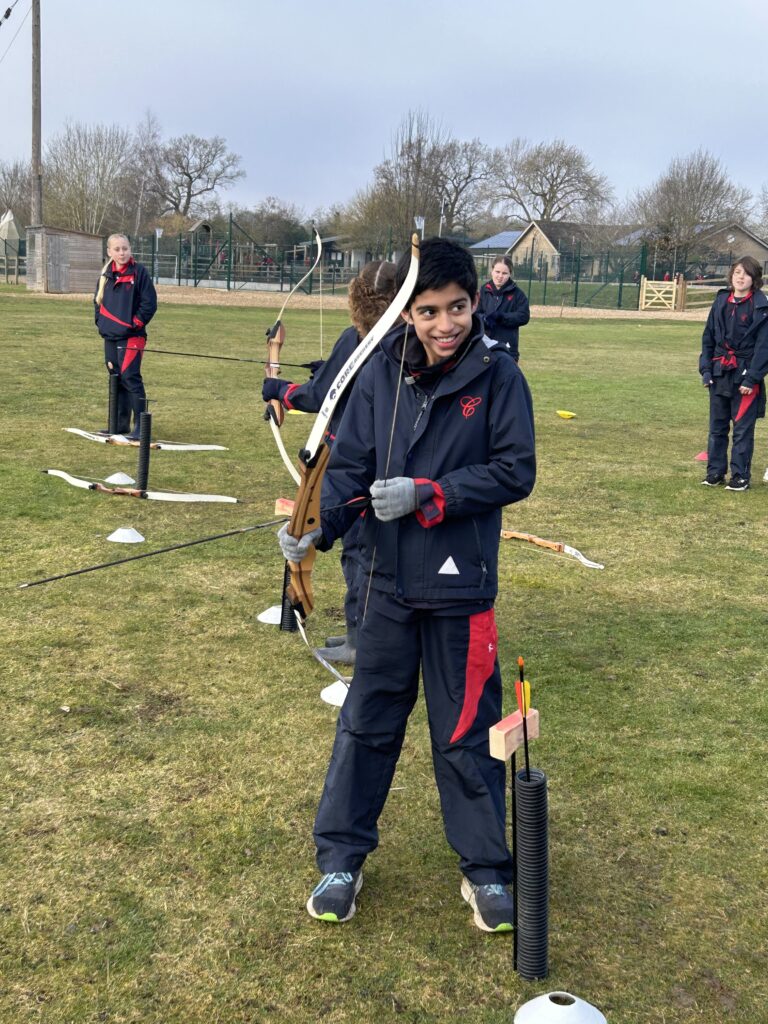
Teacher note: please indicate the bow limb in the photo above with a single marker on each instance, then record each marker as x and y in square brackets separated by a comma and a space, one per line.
[274, 412]
[359, 356]
[313, 459]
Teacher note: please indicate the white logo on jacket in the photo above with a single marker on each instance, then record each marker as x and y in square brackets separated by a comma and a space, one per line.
[448, 568]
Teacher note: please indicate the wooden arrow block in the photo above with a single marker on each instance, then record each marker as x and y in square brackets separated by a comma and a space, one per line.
[507, 735]
[284, 506]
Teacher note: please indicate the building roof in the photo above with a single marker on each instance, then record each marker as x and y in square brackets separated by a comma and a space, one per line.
[500, 242]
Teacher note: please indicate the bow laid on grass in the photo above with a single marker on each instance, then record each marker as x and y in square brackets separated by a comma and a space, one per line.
[120, 441]
[134, 492]
[551, 545]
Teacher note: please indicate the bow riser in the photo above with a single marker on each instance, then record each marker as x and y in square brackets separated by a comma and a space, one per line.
[305, 518]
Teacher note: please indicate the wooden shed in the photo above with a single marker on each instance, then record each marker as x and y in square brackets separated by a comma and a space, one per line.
[63, 261]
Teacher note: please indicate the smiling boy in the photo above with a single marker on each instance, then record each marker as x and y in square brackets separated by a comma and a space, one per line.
[439, 432]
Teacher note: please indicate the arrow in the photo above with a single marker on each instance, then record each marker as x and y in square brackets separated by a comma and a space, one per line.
[151, 554]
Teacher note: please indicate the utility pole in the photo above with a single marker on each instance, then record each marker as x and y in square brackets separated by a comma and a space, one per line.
[37, 162]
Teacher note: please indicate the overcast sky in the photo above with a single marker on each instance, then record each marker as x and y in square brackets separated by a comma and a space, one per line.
[310, 92]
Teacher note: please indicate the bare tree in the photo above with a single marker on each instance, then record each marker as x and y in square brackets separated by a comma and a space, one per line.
[546, 181]
[15, 189]
[367, 220]
[466, 168]
[188, 168]
[147, 142]
[274, 221]
[695, 191]
[84, 175]
[760, 214]
[409, 182]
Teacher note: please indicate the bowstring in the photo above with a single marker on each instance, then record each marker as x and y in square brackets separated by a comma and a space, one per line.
[386, 465]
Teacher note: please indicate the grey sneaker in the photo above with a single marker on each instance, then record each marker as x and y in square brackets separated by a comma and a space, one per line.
[713, 481]
[493, 906]
[333, 898]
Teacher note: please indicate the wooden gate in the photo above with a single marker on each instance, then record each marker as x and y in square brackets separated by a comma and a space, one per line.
[663, 294]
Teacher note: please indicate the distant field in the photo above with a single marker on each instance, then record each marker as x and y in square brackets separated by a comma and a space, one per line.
[164, 752]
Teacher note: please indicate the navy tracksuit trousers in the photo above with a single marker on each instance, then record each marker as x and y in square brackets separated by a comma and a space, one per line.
[462, 688]
[125, 357]
[742, 410]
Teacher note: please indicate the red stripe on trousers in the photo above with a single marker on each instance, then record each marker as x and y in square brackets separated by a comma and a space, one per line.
[481, 659]
[135, 345]
[746, 401]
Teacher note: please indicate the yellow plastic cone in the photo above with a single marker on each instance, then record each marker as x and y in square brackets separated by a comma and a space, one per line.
[565, 415]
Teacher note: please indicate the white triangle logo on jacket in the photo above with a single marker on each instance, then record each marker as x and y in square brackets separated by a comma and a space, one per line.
[448, 568]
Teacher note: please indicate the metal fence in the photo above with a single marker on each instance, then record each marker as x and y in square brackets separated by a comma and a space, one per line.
[13, 260]
[598, 280]
[233, 260]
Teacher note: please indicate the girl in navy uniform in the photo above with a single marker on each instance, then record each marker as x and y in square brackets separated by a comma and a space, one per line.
[369, 295]
[439, 432]
[733, 363]
[503, 306]
[125, 302]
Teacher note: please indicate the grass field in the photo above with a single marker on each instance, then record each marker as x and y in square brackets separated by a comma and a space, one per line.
[163, 752]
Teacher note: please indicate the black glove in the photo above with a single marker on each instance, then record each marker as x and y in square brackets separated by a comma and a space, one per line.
[273, 387]
[706, 378]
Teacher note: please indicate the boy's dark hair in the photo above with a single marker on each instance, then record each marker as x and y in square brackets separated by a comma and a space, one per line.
[750, 266]
[441, 262]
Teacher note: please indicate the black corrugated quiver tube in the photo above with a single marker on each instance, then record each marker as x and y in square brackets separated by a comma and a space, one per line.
[287, 616]
[114, 386]
[532, 874]
[145, 438]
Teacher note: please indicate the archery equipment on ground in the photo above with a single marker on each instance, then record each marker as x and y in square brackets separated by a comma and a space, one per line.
[126, 535]
[558, 1008]
[114, 387]
[121, 441]
[551, 545]
[530, 844]
[145, 440]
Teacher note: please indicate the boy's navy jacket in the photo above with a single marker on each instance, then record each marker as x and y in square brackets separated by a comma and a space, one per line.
[309, 397]
[508, 309]
[750, 350]
[129, 303]
[467, 428]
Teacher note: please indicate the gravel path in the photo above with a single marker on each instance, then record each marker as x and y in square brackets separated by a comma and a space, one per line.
[269, 299]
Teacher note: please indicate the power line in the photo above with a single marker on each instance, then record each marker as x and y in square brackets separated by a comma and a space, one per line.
[5, 18]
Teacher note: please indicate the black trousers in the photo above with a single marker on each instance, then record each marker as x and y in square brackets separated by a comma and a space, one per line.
[741, 410]
[462, 689]
[125, 357]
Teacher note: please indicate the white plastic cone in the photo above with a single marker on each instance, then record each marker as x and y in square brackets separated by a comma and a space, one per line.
[126, 535]
[558, 1008]
[121, 479]
[271, 616]
[335, 694]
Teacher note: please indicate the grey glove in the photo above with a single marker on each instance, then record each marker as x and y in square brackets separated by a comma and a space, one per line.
[296, 550]
[393, 498]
